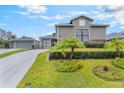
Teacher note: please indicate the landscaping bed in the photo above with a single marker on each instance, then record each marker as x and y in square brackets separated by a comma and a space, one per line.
[42, 74]
[108, 73]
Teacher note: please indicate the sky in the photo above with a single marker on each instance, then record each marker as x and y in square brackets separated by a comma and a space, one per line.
[39, 20]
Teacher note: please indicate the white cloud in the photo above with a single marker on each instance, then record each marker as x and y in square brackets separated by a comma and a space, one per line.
[103, 16]
[52, 24]
[66, 15]
[99, 7]
[21, 12]
[38, 9]
[115, 7]
[58, 17]
[115, 12]
[45, 17]
[47, 33]
[122, 27]
[113, 23]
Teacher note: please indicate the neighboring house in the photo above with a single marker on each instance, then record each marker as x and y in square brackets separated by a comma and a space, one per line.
[115, 35]
[24, 42]
[82, 28]
[48, 41]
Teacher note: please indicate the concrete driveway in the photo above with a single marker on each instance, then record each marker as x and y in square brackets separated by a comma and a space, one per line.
[14, 67]
[6, 50]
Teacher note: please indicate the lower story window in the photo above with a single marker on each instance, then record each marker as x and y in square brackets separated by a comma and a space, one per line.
[82, 34]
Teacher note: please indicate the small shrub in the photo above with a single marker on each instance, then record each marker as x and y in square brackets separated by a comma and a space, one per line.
[67, 66]
[118, 62]
[108, 73]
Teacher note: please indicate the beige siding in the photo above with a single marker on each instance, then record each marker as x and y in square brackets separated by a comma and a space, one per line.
[65, 32]
[76, 22]
[98, 33]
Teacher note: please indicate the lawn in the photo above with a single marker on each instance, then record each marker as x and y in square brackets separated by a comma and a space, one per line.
[11, 52]
[43, 75]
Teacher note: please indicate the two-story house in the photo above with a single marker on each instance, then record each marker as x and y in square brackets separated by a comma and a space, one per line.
[82, 28]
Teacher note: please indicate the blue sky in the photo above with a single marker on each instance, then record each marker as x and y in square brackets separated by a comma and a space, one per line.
[36, 21]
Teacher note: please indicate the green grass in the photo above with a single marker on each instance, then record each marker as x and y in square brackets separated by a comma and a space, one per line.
[43, 75]
[11, 52]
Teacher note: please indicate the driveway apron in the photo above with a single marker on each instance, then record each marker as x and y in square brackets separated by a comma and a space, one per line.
[14, 67]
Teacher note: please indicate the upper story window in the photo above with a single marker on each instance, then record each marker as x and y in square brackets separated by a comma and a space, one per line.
[81, 23]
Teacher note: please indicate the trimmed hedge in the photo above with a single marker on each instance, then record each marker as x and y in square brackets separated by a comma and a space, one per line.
[94, 44]
[82, 55]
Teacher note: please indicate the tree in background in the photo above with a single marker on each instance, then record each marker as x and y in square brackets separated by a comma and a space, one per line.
[4, 44]
[13, 37]
[116, 44]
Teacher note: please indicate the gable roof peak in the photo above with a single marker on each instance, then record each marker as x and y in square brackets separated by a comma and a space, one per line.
[80, 17]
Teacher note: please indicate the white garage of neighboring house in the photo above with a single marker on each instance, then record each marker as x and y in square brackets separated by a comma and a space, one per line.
[24, 42]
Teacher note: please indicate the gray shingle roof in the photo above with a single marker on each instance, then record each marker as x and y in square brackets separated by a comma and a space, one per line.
[23, 39]
[102, 25]
[64, 25]
[80, 17]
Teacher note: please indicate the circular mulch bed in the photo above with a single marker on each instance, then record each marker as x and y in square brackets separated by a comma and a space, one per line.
[108, 73]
